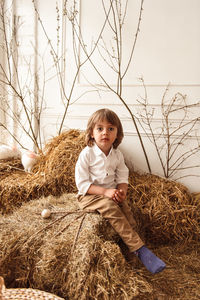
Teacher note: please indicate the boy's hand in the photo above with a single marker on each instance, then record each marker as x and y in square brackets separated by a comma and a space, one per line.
[119, 196]
[110, 193]
[116, 195]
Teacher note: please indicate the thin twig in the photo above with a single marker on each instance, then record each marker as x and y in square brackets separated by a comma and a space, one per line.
[78, 232]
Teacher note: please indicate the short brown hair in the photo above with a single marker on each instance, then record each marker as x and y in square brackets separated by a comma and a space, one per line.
[101, 115]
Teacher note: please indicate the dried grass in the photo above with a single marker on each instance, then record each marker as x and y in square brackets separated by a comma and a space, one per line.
[78, 256]
[52, 175]
[166, 211]
[71, 254]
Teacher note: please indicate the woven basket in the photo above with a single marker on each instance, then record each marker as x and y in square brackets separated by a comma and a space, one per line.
[24, 294]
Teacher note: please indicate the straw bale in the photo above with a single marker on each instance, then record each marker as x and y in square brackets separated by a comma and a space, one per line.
[53, 174]
[71, 254]
[165, 210]
[79, 256]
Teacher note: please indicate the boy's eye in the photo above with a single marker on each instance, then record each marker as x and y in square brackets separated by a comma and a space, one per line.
[101, 128]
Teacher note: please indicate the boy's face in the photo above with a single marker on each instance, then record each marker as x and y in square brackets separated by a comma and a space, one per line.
[104, 135]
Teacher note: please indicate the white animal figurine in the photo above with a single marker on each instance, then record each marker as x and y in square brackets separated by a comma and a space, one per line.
[28, 159]
[7, 152]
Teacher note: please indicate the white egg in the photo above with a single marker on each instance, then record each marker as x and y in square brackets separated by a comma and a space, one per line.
[46, 213]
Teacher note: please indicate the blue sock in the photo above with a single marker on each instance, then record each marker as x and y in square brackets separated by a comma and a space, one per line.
[150, 260]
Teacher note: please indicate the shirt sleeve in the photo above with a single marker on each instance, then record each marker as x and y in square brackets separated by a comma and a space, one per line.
[122, 172]
[82, 177]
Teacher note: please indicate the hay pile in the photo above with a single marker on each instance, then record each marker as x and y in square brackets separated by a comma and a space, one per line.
[78, 256]
[52, 175]
[71, 254]
[165, 210]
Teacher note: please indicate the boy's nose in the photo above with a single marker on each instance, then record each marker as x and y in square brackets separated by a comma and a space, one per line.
[105, 131]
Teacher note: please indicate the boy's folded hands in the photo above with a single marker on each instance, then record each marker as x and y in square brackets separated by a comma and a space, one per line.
[117, 195]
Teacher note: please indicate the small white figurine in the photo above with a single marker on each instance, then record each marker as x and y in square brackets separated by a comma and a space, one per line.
[7, 152]
[28, 159]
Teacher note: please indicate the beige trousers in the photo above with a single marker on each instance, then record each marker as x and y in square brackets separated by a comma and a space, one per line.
[120, 217]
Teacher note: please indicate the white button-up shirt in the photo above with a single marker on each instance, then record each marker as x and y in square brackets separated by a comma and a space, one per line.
[94, 167]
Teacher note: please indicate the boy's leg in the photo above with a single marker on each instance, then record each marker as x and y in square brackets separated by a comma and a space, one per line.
[128, 213]
[153, 263]
[114, 214]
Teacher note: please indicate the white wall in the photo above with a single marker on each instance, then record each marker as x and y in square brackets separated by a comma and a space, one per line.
[167, 51]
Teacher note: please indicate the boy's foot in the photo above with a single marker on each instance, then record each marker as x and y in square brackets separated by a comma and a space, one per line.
[150, 260]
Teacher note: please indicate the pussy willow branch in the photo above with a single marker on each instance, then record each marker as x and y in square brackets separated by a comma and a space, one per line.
[174, 145]
[173, 138]
[192, 122]
[179, 161]
[10, 133]
[79, 64]
[59, 76]
[53, 52]
[20, 97]
[15, 117]
[135, 40]
[118, 90]
[5, 36]
[118, 39]
[11, 51]
[152, 137]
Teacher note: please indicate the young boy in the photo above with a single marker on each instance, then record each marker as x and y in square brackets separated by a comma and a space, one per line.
[102, 180]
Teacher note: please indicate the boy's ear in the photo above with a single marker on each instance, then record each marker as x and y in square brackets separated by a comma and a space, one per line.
[91, 134]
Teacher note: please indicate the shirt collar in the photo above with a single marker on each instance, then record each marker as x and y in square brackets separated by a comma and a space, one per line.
[98, 151]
